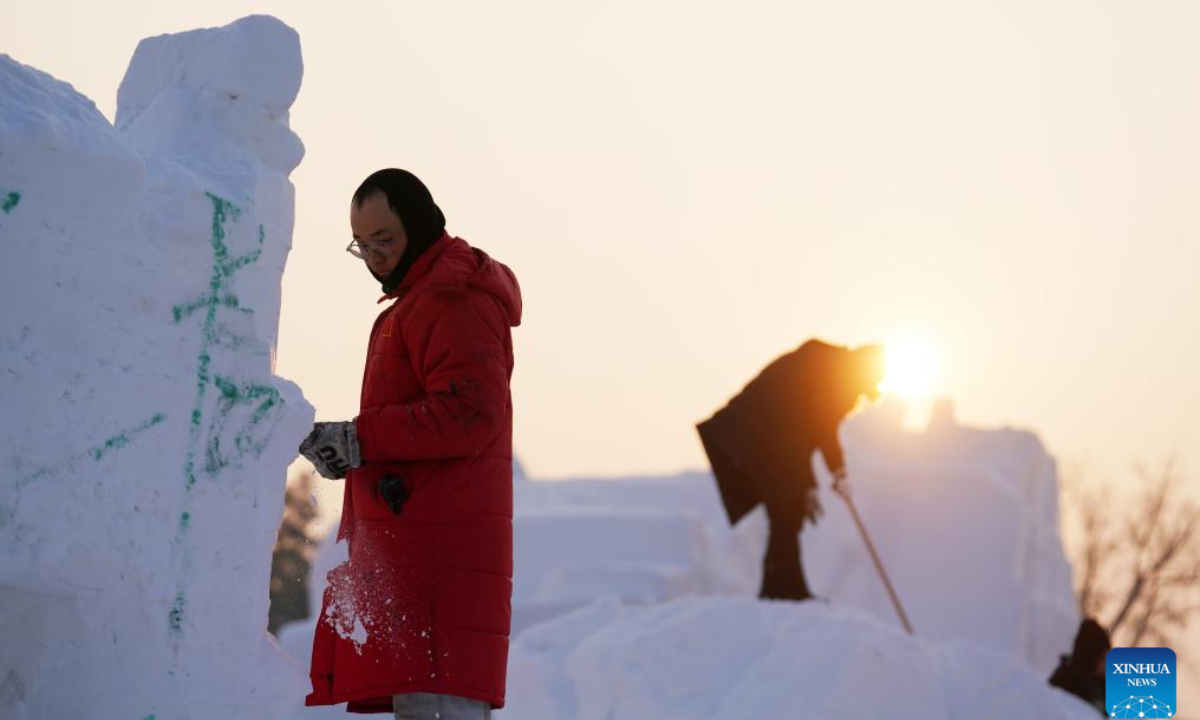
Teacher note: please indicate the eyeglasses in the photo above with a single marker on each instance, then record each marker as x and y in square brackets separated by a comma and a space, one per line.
[362, 250]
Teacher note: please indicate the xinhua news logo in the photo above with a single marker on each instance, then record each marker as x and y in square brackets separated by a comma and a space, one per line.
[1140, 683]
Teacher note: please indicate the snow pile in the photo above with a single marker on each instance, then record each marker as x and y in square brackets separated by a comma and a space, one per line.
[965, 520]
[735, 659]
[144, 436]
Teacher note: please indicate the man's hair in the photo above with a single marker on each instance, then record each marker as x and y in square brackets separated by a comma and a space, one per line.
[408, 197]
[365, 191]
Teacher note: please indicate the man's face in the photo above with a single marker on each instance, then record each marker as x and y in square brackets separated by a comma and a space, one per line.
[377, 228]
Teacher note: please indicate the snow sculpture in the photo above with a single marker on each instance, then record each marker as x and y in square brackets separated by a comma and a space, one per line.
[144, 436]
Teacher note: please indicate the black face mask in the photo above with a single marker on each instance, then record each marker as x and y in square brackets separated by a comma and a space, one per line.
[423, 220]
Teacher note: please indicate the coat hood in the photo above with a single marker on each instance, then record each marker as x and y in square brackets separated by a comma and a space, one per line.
[498, 280]
[452, 264]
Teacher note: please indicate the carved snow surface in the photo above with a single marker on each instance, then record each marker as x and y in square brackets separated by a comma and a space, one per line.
[144, 437]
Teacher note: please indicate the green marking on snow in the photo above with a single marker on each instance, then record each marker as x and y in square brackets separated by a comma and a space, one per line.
[113, 443]
[219, 296]
[182, 311]
[175, 618]
[9, 200]
[243, 417]
[255, 431]
[34, 477]
[123, 439]
[96, 453]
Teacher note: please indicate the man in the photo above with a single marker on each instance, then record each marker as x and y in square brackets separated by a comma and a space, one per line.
[760, 446]
[416, 621]
[1082, 672]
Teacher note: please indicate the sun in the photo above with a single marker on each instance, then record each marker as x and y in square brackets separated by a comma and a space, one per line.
[912, 368]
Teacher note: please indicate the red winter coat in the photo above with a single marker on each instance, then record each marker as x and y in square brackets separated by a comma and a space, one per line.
[423, 604]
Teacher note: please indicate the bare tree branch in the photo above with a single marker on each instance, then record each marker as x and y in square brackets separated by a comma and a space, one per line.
[1149, 547]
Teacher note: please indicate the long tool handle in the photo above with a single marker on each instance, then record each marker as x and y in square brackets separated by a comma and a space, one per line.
[862, 529]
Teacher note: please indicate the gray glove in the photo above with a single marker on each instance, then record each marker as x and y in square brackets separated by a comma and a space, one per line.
[332, 448]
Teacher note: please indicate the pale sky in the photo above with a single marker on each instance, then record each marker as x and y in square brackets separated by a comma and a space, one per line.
[687, 190]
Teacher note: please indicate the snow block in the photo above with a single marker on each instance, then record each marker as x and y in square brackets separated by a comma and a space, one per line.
[145, 438]
[965, 521]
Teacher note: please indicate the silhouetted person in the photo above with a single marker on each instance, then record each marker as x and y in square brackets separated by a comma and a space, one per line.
[1082, 672]
[760, 446]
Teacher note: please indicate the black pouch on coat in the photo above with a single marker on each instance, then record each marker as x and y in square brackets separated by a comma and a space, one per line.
[393, 492]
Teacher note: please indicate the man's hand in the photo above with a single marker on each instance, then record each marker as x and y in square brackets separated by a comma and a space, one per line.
[813, 509]
[841, 485]
[332, 448]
